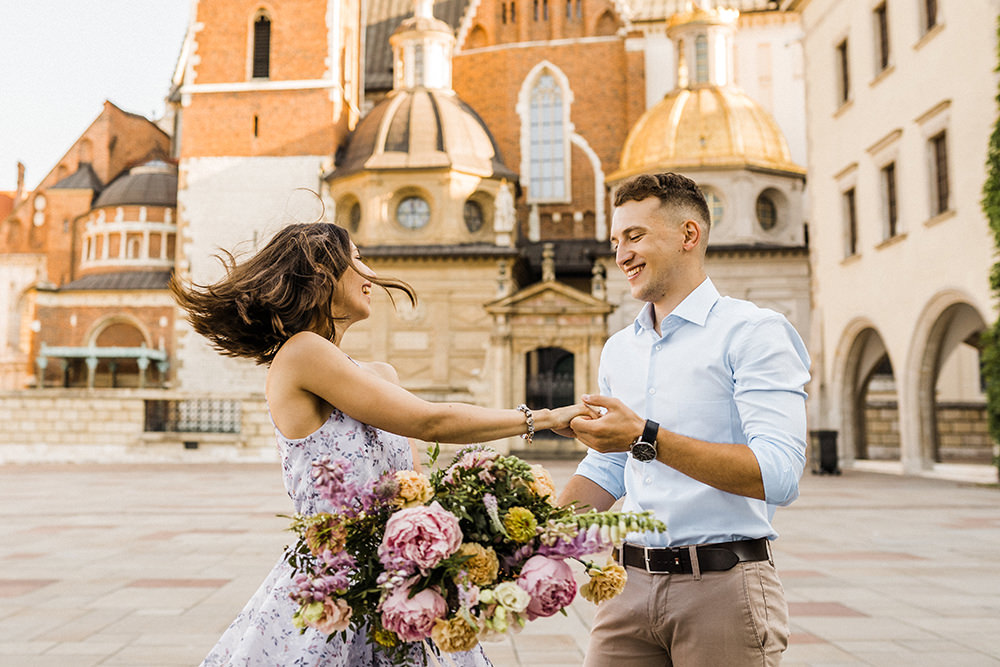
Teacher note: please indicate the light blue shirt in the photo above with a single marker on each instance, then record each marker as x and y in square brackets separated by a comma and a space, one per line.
[723, 370]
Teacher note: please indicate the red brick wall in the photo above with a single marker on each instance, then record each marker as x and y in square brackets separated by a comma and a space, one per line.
[288, 122]
[607, 84]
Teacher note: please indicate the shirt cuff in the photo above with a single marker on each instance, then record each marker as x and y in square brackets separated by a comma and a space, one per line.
[605, 470]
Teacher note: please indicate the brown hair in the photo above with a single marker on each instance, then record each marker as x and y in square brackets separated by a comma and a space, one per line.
[671, 189]
[285, 288]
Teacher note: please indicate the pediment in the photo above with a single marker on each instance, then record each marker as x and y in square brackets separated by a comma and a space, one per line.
[549, 298]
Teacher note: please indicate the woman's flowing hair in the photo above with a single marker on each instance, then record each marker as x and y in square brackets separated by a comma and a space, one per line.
[286, 287]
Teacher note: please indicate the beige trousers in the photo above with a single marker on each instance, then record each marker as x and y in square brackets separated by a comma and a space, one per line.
[722, 619]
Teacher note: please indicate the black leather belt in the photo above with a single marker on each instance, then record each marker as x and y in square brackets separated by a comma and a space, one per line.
[677, 560]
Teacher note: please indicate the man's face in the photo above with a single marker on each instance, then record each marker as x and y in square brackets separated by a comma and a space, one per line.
[649, 247]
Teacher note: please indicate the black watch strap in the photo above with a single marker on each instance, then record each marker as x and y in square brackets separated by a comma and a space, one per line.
[649, 433]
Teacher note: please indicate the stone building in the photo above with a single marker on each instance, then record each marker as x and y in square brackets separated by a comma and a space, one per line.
[472, 149]
[900, 109]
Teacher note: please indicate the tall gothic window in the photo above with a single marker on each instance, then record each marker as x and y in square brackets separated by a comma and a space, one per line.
[881, 37]
[939, 172]
[262, 47]
[548, 141]
[890, 204]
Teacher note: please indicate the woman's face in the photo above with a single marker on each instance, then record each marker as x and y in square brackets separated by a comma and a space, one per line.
[352, 300]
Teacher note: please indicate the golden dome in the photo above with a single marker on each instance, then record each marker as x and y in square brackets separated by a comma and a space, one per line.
[705, 127]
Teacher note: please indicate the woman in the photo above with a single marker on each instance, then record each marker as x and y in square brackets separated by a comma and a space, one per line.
[289, 306]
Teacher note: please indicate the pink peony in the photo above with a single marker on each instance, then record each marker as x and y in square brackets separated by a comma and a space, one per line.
[423, 535]
[549, 582]
[412, 618]
[336, 616]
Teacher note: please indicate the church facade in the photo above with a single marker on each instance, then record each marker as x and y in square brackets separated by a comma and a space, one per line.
[472, 149]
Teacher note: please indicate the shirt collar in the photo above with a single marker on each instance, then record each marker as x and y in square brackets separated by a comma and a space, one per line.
[694, 308]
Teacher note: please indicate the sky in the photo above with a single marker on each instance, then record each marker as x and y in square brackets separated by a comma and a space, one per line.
[61, 59]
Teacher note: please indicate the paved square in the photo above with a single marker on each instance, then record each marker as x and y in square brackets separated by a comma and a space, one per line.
[147, 564]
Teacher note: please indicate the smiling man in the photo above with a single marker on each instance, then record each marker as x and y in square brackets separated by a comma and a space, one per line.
[704, 425]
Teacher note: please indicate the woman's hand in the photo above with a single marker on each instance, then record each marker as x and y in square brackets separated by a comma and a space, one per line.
[561, 417]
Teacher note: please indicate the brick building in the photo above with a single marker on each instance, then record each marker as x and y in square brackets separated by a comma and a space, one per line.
[470, 147]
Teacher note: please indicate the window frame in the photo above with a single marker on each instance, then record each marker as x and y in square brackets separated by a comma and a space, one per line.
[561, 141]
[883, 44]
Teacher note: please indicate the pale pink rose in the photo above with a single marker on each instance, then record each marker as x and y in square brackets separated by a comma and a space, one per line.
[336, 616]
[412, 618]
[549, 582]
[423, 535]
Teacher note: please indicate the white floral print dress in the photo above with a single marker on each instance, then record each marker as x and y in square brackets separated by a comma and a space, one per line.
[263, 634]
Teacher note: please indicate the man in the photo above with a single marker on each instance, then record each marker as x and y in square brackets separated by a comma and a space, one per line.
[704, 424]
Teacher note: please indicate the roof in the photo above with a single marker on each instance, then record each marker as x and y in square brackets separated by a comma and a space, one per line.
[422, 128]
[121, 280]
[383, 17]
[657, 10]
[84, 178]
[705, 127]
[151, 184]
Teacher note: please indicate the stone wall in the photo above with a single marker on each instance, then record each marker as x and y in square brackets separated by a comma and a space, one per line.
[57, 425]
[963, 435]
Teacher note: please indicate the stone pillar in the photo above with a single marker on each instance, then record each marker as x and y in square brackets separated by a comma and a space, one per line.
[143, 363]
[91, 371]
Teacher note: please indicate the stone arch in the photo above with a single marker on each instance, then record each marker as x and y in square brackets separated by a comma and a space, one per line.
[863, 354]
[948, 322]
[120, 330]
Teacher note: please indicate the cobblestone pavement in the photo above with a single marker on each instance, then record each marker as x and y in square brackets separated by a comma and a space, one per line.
[147, 564]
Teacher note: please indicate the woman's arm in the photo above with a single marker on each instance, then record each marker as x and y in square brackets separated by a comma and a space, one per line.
[317, 366]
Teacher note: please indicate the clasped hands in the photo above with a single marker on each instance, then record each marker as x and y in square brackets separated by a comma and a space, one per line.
[602, 423]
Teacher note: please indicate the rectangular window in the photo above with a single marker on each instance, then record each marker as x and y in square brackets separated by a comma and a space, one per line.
[851, 223]
[536, 10]
[503, 12]
[843, 73]
[939, 172]
[930, 14]
[889, 195]
[881, 37]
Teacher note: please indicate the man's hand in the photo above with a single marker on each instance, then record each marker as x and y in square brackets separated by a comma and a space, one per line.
[613, 431]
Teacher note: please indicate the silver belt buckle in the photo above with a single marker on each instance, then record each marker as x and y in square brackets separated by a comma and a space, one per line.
[645, 556]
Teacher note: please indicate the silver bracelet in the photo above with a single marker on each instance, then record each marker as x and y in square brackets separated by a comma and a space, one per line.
[529, 420]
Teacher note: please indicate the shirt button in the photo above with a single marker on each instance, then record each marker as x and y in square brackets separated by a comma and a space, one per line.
[649, 480]
[658, 347]
[652, 390]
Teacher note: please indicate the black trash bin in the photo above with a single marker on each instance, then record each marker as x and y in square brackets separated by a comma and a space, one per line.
[826, 462]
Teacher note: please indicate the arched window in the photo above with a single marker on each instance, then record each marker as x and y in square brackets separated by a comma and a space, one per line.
[701, 59]
[262, 47]
[547, 141]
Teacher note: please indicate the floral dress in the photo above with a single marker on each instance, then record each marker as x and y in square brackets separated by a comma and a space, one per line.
[263, 633]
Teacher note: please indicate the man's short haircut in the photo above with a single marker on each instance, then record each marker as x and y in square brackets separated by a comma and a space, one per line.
[671, 189]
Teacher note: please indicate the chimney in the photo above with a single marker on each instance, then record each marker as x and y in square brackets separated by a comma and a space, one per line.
[19, 196]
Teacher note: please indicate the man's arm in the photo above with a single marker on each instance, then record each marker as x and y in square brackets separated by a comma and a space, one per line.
[729, 467]
[587, 494]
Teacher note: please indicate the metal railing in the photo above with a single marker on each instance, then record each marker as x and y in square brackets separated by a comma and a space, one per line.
[193, 415]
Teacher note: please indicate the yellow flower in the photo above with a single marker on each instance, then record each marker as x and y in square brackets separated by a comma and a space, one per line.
[483, 565]
[385, 637]
[605, 583]
[414, 488]
[520, 524]
[454, 634]
[542, 483]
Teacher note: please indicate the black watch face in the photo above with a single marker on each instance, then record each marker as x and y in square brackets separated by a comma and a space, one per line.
[643, 451]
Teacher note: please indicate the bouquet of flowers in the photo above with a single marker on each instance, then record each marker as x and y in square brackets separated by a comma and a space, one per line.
[473, 551]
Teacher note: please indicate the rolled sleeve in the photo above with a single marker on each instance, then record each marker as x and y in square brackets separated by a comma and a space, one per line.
[605, 470]
[771, 369]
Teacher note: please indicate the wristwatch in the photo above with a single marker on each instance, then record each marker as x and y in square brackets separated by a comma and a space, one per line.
[644, 447]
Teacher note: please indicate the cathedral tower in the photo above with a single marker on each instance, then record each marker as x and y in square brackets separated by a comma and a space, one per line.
[264, 93]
